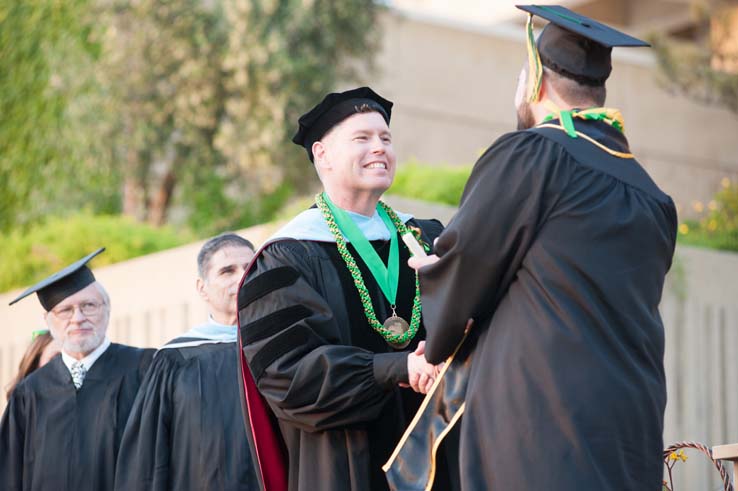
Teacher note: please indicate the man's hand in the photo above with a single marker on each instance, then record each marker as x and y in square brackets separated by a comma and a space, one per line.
[421, 374]
[417, 262]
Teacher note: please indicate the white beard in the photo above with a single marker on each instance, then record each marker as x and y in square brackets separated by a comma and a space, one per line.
[84, 346]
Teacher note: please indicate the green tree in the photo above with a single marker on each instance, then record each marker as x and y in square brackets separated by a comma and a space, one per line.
[282, 56]
[38, 42]
[51, 244]
[167, 110]
[704, 68]
[160, 66]
[207, 94]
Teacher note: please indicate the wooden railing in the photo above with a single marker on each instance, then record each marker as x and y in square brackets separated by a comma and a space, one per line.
[729, 453]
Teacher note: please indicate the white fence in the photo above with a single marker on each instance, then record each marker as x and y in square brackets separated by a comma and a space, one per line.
[701, 318]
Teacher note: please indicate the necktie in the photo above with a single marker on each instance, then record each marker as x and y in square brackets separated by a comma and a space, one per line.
[78, 373]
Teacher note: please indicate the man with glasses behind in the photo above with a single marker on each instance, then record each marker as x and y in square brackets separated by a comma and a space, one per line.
[64, 422]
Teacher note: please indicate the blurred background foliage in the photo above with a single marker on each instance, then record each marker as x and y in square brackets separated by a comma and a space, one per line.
[52, 243]
[142, 124]
[167, 111]
[717, 227]
[171, 117]
[439, 184]
[41, 152]
[705, 66]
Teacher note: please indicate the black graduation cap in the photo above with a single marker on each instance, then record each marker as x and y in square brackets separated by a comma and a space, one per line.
[62, 284]
[334, 108]
[576, 46]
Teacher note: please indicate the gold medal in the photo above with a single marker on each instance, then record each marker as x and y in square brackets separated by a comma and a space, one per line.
[397, 326]
[394, 327]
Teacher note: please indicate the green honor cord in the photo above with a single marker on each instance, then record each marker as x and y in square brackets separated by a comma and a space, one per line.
[388, 276]
[607, 115]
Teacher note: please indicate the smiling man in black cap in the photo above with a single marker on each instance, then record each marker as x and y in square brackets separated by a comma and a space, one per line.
[64, 422]
[558, 253]
[329, 314]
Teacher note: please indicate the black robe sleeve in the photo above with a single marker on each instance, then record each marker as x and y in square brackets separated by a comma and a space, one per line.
[54, 436]
[299, 356]
[506, 192]
[12, 436]
[145, 451]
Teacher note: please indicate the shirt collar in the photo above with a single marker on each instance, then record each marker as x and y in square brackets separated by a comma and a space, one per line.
[218, 324]
[88, 360]
[210, 333]
[310, 225]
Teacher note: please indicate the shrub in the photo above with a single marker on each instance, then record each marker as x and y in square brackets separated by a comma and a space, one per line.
[719, 228]
[439, 184]
[213, 209]
[31, 255]
[294, 207]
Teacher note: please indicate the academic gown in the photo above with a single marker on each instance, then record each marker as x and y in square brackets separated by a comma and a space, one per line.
[53, 436]
[327, 376]
[186, 430]
[559, 252]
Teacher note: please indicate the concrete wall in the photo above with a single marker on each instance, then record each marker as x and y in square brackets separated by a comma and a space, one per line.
[453, 85]
[700, 315]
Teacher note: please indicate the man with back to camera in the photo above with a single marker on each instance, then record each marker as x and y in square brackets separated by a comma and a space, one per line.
[186, 429]
[558, 253]
[64, 422]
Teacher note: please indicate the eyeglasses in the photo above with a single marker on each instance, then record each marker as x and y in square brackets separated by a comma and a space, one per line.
[88, 309]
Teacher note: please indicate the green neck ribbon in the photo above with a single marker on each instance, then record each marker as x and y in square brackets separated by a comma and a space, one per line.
[387, 277]
[608, 115]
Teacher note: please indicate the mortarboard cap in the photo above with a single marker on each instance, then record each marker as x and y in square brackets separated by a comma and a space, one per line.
[334, 108]
[62, 284]
[576, 46]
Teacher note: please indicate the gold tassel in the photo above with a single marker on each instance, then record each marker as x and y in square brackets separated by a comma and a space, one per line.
[535, 68]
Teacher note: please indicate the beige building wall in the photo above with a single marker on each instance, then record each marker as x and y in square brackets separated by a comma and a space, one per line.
[453, 86]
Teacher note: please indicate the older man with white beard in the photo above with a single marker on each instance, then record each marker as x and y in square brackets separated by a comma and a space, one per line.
[64, 422]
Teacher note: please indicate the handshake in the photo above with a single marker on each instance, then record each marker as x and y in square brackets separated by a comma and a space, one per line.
[421, 374]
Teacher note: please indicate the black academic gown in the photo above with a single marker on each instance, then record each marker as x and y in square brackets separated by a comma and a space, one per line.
[53, 436]
[186, 429]
[559, 252]
[329, 378]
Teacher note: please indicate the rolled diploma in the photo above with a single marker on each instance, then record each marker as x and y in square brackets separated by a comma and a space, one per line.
[411, 242]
